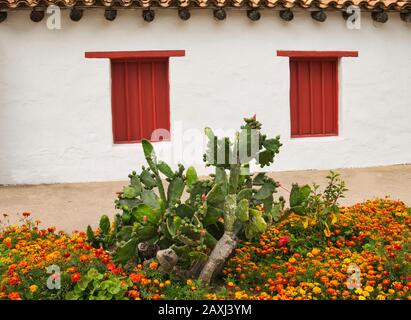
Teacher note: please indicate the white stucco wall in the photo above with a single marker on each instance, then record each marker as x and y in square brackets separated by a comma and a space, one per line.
[55, 112]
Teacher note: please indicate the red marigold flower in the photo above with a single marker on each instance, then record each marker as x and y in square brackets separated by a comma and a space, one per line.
[283, 241]
[14, 296]
[98, 252]
[136, 277]
[111, 266]
[116, 270]
[51, 229]
[84, 258]
[26, 214]
[14, 280]
[76, 277]
[397, 246]
[66, 255]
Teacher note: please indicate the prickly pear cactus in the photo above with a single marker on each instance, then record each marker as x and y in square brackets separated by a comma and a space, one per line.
[190, 215]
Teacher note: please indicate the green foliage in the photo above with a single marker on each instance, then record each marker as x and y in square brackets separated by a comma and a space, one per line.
[97, 286]
[230, 200]
[319, 208]
[105, 237]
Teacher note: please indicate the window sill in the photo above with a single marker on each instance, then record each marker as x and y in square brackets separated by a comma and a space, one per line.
[316, 138]
[122, 143]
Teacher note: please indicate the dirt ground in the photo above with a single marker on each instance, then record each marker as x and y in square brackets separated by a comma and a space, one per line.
[73, 206]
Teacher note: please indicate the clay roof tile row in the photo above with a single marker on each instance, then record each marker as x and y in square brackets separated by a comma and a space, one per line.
[396, 5]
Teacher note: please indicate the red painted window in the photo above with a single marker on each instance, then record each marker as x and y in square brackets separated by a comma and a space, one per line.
[314, 91]
[140, 99]
[314, 96]
[139, 94]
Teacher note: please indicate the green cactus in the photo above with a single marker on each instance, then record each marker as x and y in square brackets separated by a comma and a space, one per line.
[230, 204]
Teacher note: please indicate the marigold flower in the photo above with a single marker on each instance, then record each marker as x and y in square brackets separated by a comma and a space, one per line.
[14, 296]
[14, 280]
[153, 265]
[283, 241]
[317, 290]
[136, 277]
[84, 258]
[33, 288]
[75, 277]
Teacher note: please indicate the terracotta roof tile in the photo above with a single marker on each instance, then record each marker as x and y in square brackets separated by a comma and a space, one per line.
[396, 5]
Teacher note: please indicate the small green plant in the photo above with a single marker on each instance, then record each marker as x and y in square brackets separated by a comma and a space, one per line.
[97, 286]
[105, 237]
[320, 209]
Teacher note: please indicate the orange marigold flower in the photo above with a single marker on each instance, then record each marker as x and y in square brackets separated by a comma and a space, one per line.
[75, 277]
[84, 258]
[71, 270]
[136, 277]
[14, 296]
[153, 265]
[134, 294]
[14, 280]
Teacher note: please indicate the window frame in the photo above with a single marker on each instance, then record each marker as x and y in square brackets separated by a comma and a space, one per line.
[137, 56]
[334, 56]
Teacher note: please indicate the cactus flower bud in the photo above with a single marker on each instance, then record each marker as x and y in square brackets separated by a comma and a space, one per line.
[254, 117]
[145, 218]
[202, 232]
[203, 197]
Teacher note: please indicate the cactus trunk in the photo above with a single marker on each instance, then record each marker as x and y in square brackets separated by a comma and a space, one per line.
[225, 245]
[215, 262]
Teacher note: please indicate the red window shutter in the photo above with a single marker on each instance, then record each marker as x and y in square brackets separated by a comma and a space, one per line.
[140, 98]
[314, 97]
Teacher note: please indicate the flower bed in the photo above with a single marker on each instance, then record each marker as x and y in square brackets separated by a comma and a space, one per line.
[291, 260]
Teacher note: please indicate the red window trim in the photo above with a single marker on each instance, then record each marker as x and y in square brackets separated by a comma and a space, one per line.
[135, 54]
[316, 54]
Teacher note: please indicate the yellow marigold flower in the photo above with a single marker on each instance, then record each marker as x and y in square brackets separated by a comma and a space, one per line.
[189, 282]
[315, 251]
[153, 265]
[302, 292]
[317, 290]
[369, 289]
[391, 291]
[358, 291]
[33, 288]
[380, 297]
[361, 298]
[365, 294]
[167, 282]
